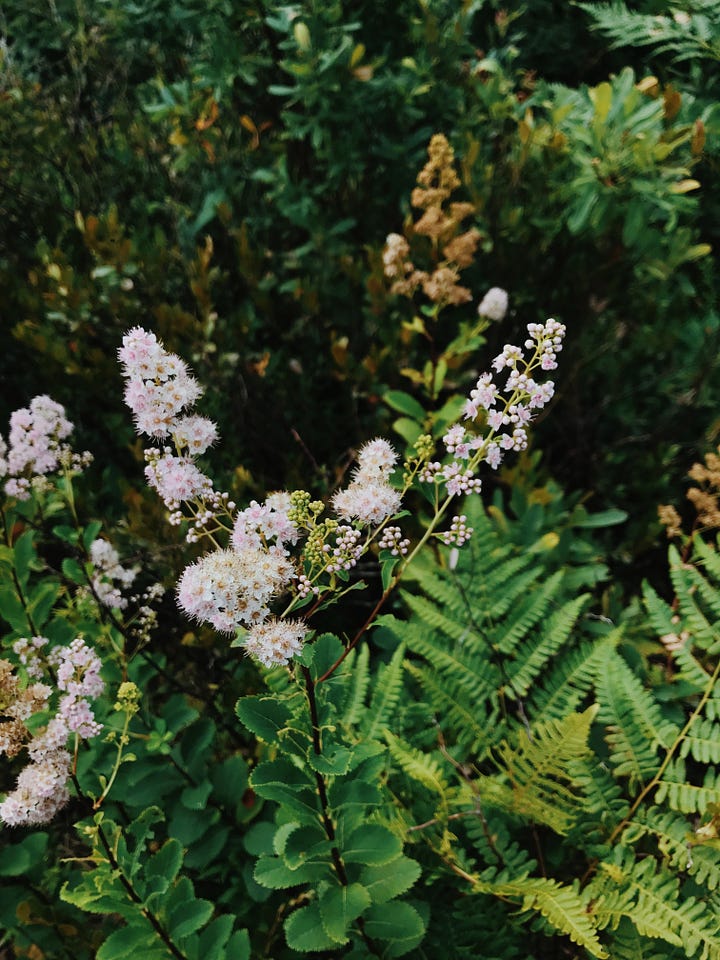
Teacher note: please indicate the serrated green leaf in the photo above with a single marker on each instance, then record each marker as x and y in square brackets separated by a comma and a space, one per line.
[372, 844]
[305, 933]
[274, 874]
[339, 906]
[125, 943]
[263, 716]
[389, 880]
[394, 921]
[166, 862]
[302, 844]
[188, 917]
[331, 763]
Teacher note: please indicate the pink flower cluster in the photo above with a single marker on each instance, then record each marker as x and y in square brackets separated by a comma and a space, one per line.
[41, 789]
[158, 385]
[510, 408]
[259, 525]
[36, 446]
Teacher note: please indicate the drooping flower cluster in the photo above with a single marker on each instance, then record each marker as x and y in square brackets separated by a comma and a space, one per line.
[110, 576]
[36, 446]
[369, 498]
[41, 789]
[440, 221]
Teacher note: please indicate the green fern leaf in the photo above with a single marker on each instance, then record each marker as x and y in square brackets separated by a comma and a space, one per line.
[574, 675]
[541, 786]
[386, 695]
[561, 906]
[635, 726]
[687, 797]
[359, 670]
[536, 652]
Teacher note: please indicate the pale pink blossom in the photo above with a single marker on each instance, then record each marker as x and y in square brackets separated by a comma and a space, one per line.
[175, 478]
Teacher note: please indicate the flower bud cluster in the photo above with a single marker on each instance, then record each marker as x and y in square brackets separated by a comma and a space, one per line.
[347, 550]
[392, 540]
[110, 577]
[41, 789]
[459, 532]
[37, 448]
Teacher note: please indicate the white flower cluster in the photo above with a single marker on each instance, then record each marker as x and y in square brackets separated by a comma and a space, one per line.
[110, 576]
[370, 499]
[494, 304]
[36, 446]
[41, 789]
[274, 642]
[232, 588]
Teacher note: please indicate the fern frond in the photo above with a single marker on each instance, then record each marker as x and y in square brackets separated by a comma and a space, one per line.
[469, 674]
[538, 770]
[562, 908]
[695, 36]
[677, 843]
[385, 697]
[656, 912]
[472, 728]
[661, 615]
[604, 800]
[536, 652]
[417, 764]
[530, 609]
[628, 944]
[459, 630]
[571, 679]
[709, 556]
[635, 726]
[359, 670]
[704, 742]
[687, 797]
